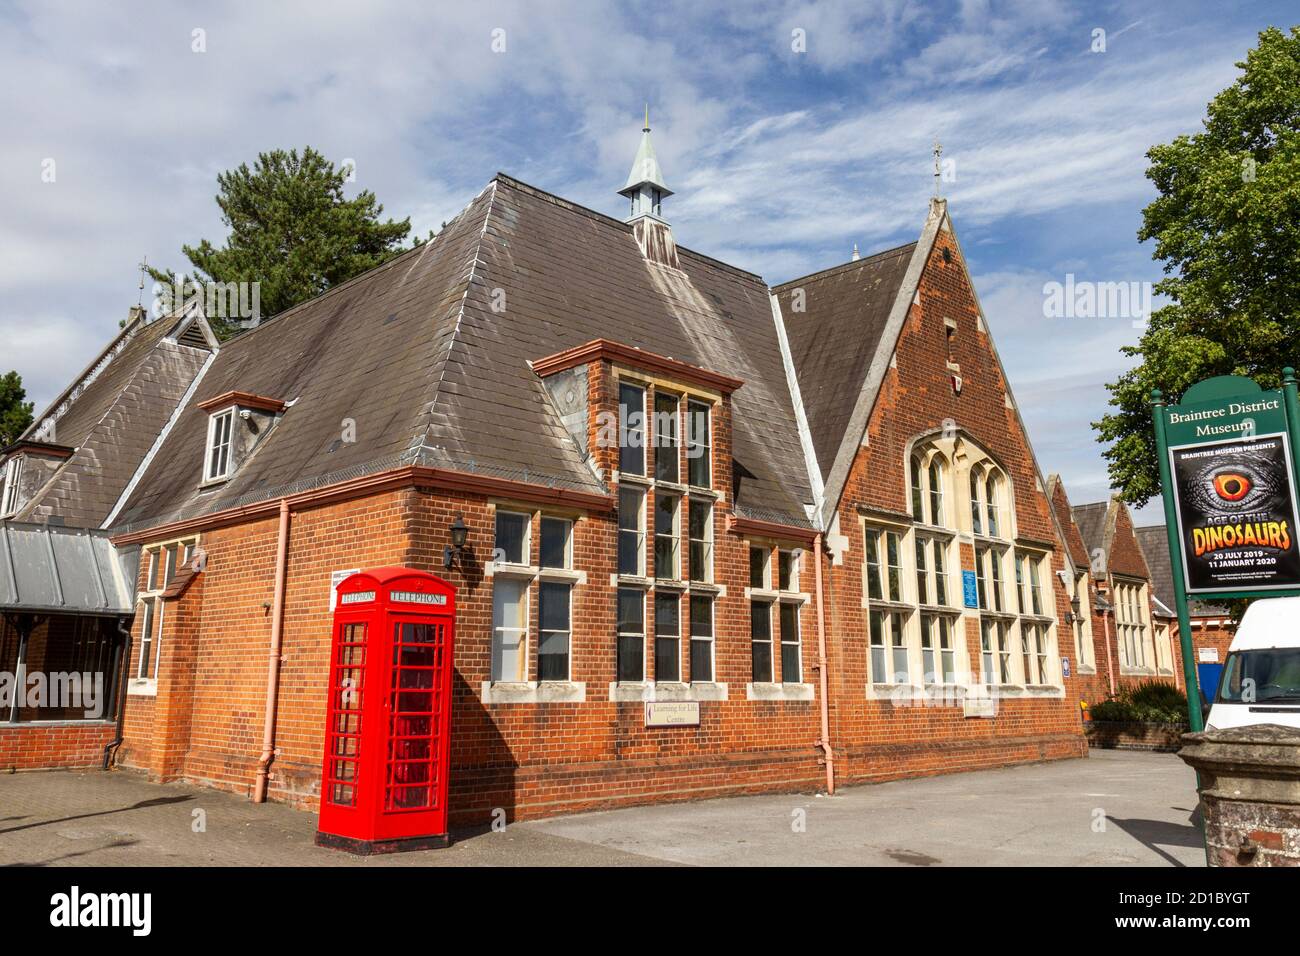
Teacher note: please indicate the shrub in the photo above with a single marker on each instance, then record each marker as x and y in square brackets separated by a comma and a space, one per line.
[1148, 700]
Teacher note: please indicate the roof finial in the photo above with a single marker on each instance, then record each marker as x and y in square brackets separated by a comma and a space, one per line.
[938, 151]
[144, 267]
[856, 257]
[646, 127]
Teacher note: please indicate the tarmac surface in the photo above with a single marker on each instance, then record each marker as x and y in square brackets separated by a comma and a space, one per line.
[1114, 808]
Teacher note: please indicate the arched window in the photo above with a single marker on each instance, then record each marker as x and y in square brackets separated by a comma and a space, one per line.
[991, 504]
[913, 607]
[918, 495]
[936, 490]
[976, 510]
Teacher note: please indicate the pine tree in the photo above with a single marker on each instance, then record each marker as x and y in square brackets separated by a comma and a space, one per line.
[291, 231]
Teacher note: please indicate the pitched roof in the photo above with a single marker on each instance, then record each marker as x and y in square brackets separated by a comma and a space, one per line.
[835, 335]
[429, 356]
[110, 416]
[1155, 548]
[1091, 520]
[1075, 548]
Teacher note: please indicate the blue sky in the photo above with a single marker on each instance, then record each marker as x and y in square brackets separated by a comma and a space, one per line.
[781, 160]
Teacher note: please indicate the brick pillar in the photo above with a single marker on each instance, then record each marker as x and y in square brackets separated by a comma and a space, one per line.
[1250, 793]
[174, 704]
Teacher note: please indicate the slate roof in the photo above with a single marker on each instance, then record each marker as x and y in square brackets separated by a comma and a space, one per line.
[1091, 519]
[415, 353]
[111, 417]
[1155, 548]
[836, 335]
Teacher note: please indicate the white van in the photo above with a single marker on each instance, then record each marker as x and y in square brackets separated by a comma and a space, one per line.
[1260, 683]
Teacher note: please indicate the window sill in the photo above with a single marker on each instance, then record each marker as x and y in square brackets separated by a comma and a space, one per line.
[1126, 671]
[938, 695]
[767, 594]
[630, 581]
[882, 604]
[707, 588]
[533, 692]
[672, 584]
[651, 691]
[772, 691]
[502, 569]
[1087, 669]
[142, 687]
[934, 530]
[563, 575]
[1017, 691]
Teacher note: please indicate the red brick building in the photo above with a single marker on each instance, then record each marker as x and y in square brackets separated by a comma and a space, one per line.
[810, 511]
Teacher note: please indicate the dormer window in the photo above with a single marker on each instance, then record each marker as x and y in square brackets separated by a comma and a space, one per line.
[237, 422]
[13, 475]
[220, 428]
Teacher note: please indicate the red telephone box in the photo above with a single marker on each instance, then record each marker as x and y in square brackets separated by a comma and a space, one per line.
[388, 718]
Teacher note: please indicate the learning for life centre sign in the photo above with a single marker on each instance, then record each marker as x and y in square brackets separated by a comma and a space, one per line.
[1231, 481]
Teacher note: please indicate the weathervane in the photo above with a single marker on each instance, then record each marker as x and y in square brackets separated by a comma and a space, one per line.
[938, 151]
[144, 268]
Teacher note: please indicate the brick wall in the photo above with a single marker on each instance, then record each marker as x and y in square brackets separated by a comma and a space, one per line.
[878, 739]
[54, 745]
[532, 759]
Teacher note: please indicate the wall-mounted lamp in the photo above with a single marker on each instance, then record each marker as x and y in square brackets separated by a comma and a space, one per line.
[459, 534]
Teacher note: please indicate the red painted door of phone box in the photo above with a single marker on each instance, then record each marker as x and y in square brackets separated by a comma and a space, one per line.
[388, 716]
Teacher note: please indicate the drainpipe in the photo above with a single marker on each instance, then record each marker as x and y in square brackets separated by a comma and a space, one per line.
[110, 750]
[273, 662]
[825, 742]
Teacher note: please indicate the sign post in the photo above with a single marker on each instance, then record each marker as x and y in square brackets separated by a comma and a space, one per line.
[1228, 479]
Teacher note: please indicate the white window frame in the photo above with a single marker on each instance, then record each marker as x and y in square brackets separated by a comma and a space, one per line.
[675, 438]
[675, 596]
[152, 606]
[938, 663]
[619, 634]
[893, 640]
[639, 531]
[543, 631]
[214, 446]
[710, 640]
[673, 536]
[766, 605]
[928, 487]
[527, 545]
[706, 541]
[766, 583]
[498, 630]
[627, 431]
[877, 538]
[692, 406]
[568, 541]
[795, 608]
[13, 476]
[796, 556]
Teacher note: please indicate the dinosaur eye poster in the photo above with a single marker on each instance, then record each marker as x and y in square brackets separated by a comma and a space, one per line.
[1237, 514]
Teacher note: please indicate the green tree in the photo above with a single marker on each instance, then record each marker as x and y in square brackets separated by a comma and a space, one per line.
[292, 231]
[15, 414]
[1226, 225]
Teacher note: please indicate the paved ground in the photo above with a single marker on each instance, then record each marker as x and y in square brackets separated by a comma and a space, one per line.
[1112, 809]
